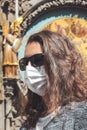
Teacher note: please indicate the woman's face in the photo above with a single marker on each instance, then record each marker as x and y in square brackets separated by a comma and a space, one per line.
[33, 48]
[35, 77]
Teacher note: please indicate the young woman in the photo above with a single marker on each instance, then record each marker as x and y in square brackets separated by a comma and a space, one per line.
[56, 82]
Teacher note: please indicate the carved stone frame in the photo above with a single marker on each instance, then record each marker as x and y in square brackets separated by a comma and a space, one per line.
[49, 5]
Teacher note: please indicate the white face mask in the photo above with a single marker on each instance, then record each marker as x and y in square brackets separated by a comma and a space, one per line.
[35, 79]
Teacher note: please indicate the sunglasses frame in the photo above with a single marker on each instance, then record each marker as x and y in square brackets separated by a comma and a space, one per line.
[24, 61]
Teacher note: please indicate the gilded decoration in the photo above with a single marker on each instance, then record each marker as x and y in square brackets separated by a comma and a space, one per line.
[10, 33]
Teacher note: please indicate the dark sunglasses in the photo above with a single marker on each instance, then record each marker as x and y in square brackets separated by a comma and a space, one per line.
[36, 61]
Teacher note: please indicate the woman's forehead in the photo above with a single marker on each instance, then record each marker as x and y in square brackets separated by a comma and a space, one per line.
[32, 48]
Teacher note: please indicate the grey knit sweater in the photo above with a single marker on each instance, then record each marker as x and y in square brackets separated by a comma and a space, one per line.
[71, 117]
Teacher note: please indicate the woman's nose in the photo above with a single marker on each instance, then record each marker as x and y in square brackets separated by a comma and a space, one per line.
[29, 63]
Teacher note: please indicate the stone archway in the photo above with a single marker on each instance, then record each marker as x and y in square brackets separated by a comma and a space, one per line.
[42, 7]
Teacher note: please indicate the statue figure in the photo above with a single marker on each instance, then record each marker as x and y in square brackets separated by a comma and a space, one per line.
[11, 44]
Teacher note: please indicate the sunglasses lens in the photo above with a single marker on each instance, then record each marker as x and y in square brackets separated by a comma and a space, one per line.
[22, 64]
[37, 60]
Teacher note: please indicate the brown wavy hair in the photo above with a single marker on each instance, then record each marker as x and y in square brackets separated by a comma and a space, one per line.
[66, 79]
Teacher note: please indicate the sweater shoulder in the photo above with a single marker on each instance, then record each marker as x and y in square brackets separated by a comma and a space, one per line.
[71, 117]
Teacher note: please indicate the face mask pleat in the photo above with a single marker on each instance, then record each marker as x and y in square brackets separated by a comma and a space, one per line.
[35, 78]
